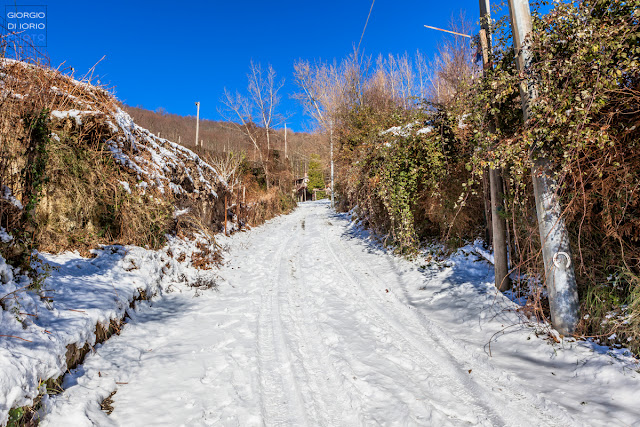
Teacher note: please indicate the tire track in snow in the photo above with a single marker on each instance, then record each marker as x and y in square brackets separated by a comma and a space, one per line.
[521, 410]
[465, 387]
[281, 402]
[394, 335]
[395, 373]
[332, 404]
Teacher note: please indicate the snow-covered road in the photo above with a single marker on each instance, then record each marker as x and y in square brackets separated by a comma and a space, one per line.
[314, 325]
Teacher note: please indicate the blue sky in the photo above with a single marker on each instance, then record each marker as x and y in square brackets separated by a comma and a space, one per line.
[172, 53]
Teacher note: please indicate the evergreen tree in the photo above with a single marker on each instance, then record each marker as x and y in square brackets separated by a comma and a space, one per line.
[316, 176]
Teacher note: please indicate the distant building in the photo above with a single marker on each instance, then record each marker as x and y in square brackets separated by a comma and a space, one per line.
[301, 189]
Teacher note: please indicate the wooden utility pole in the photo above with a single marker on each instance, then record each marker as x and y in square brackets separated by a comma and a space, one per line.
[498, 221]
[285, 141]
[556, 251]
[197, 123]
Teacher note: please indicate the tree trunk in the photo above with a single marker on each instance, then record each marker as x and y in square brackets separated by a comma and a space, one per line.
[488, 236]
[499, 225]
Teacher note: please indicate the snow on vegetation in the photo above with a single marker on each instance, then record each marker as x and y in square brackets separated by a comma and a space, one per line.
[417, 128]
[4, 236]
[76, 294]
[85, 197]
[159, 158]
[7, 194]
[73, 114]
[156, 161]
[64, 301]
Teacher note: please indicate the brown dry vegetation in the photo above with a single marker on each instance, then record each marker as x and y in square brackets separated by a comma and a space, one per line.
[76, 172]
[219, 138]
[585, 119]
[59, 164]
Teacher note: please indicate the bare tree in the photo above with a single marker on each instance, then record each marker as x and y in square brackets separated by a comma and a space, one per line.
[240, 106]
[263, 92]
[227, 164]
[320, 91]
[453, 67]
[324, 89]
[260, 103]
[423, 72]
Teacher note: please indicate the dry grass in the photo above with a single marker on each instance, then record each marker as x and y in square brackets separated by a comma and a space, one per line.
[84, 202]
[207, 257]
[266, 204]
[85, 197]
[107, 404]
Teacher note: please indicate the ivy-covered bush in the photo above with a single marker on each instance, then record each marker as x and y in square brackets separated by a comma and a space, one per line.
[586, 120]
[405, 172]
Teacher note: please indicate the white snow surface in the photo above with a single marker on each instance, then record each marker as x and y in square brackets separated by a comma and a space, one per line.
[35, 332]
[407, 129]
[76, 115]
[314, 324]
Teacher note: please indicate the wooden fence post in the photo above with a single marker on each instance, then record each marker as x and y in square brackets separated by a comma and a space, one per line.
[238, 207]
[225, 215]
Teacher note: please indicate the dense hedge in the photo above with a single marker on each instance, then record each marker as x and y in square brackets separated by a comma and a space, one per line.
[415, 185]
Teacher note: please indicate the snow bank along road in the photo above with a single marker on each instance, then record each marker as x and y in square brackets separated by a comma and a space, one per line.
[313, 325]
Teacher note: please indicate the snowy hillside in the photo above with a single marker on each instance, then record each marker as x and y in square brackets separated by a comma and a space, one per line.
[79, 299]
[53, 308]
[157, 162]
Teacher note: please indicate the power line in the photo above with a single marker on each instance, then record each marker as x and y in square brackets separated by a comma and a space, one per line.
[365, 26]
